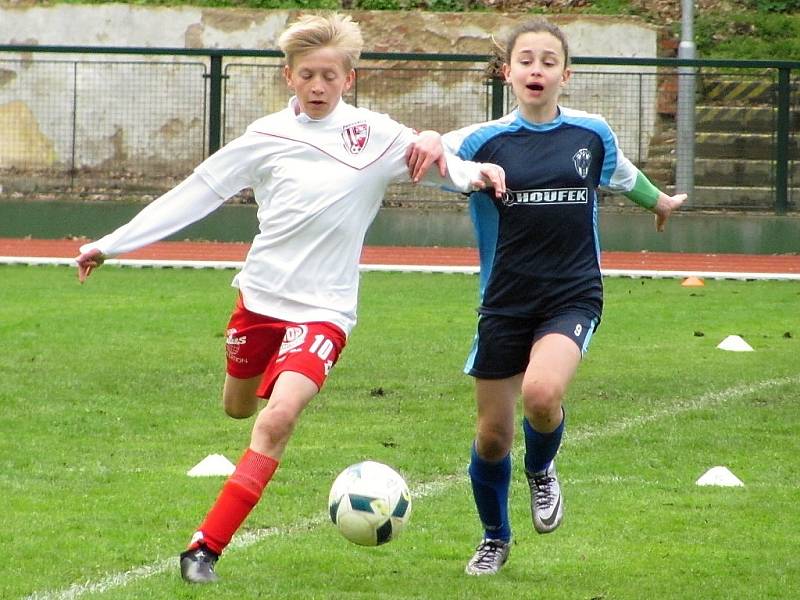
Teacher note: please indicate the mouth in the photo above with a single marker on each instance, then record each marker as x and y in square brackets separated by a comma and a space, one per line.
[535, 87]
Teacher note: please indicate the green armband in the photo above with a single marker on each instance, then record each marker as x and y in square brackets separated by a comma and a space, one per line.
[644, 193]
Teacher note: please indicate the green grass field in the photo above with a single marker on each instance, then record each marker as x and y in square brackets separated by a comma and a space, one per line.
[110, 393]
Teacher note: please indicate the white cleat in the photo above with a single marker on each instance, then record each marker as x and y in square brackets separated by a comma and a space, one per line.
[547, 505]
[489, 556]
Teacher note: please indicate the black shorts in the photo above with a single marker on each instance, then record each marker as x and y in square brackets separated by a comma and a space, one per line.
[502, 345]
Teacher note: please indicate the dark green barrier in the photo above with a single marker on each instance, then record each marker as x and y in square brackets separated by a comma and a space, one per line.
[619, 231]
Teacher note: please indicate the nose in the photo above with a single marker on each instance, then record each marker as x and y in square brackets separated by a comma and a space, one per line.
[316, 86]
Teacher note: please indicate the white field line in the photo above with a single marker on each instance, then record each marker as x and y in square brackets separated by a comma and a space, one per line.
[575, 438]
[471, 270]
[706, 401]
[242, 540]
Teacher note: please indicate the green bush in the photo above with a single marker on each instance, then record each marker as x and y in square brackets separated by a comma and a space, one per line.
[748, 36]
[776, 6]
[448, 5]
[380, 4]
[431, 5]
[302, 4]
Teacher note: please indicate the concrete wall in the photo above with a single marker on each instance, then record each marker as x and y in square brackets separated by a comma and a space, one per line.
[127, 25]
[41, 124]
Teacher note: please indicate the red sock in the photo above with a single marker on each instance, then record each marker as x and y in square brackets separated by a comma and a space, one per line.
[239, 495]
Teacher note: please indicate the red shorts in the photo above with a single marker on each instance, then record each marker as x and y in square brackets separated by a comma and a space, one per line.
[256, 345]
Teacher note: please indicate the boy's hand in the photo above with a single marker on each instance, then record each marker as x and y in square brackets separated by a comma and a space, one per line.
[423, 153]
[87, 262]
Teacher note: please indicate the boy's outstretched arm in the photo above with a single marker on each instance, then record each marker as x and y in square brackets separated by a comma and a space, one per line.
[189, 201]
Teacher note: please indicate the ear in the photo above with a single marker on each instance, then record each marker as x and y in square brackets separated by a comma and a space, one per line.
[565, 76]
[506, 70]
[349, 80]
[287, 74]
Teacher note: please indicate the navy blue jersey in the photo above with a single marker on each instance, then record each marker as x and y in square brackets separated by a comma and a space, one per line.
[539, 245]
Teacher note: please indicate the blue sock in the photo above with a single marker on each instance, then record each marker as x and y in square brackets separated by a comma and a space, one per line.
[490, 483]
[541, 448]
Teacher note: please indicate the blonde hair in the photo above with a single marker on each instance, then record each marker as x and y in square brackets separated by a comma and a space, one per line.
[311, 32]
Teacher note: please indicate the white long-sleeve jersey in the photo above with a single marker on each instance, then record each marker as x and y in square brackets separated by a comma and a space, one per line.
[318, 185]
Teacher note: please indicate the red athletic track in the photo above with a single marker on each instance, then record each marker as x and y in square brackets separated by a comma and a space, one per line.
[397, 255]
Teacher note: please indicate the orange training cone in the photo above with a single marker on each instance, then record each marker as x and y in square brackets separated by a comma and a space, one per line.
[693, 282]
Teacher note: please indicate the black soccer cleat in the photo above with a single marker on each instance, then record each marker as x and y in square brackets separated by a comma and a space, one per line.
[197, 565]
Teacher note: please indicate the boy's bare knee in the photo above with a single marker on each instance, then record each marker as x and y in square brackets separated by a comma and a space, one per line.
[238, 407]
[274, 426]
[239, 412]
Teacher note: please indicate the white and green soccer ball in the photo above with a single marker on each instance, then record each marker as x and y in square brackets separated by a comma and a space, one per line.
[369, 503]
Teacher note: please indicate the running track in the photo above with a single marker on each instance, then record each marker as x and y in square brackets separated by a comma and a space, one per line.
[710, 264]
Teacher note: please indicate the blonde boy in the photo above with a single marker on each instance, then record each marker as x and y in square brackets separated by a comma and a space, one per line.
[319, 169]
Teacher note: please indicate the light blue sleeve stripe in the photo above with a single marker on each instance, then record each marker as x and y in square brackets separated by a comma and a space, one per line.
[466, 142]
[474, 142]
[599, 126]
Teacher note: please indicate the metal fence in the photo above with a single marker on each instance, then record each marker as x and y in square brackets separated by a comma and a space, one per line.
[119, 122]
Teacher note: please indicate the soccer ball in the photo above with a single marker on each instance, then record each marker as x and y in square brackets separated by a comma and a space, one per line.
[369, 503]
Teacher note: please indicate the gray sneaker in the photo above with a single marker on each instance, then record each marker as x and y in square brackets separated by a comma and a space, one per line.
[489, 556]
[547, 505]
[197, 565]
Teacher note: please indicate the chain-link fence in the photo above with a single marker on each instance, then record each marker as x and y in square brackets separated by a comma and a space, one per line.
[105, 126]
[99, 127]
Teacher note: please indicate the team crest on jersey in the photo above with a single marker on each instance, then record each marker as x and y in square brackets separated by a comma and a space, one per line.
[355, 137]
[582, 159]
[293, 339]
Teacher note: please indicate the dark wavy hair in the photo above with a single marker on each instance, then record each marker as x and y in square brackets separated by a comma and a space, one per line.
[502, 51]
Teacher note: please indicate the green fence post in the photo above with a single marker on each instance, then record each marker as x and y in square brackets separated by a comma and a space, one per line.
[782, 147]
[498, 98]
[215, 104]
